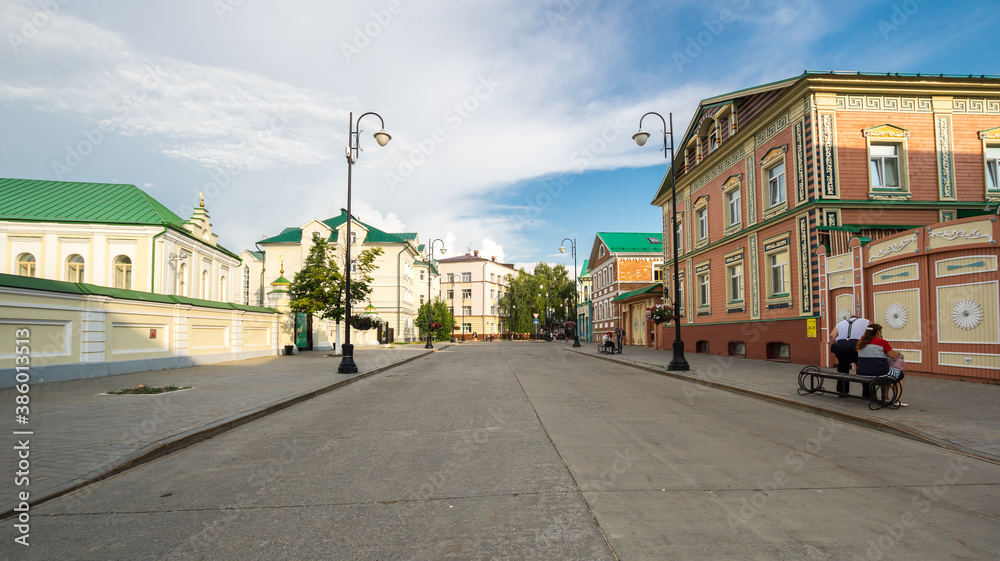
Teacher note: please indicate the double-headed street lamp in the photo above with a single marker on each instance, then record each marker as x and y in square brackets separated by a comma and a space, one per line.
[576, 324]
[347, 364]
[678, 362]
[430, 261]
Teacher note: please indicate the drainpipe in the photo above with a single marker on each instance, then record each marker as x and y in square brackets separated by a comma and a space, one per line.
[399, 288]
[152, 261]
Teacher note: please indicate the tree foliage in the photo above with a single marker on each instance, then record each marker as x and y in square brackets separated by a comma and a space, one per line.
[548, 292]
[439, 314]
[318, 289]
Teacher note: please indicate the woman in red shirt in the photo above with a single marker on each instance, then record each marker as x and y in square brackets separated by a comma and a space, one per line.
[874, 353]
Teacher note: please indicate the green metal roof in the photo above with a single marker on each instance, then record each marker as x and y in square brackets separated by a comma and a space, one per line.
[288, 235]
[639, 291]
[36, 200]
[48, 285]
[632, 242]
[259, 255]
[66, 201]
[281, 280]
[583, 270]
[374, 234]
[294, 235]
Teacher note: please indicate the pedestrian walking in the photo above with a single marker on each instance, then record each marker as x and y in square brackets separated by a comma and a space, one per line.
[621, 335]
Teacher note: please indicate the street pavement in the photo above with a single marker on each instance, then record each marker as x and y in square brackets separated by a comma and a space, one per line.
[963, 416]
[82, 435]
[528, 451]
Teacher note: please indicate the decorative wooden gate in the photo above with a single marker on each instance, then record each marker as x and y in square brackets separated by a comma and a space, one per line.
[935, 290]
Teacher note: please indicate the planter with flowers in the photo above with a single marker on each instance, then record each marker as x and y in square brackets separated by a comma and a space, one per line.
[660, 313]
[365, 322]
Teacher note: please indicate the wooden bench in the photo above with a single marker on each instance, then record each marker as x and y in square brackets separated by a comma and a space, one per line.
[884, 391]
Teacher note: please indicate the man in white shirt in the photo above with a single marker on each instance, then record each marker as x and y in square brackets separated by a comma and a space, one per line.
[844, 338]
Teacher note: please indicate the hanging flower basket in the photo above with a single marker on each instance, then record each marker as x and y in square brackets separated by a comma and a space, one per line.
[455, 328]
[435, 325]
[570, 323]
[660, 313]
[365, 322]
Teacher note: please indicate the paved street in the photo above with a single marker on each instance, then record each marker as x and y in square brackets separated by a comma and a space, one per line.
[528, 451]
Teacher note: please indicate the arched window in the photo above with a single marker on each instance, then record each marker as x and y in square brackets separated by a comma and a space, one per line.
[183, 283]
[222, 289]
[204, 285]
[123, 272]
[26, 265]
[74, 268]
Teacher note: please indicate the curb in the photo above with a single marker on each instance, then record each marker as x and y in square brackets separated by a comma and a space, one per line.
[881, 426]
[182, 440]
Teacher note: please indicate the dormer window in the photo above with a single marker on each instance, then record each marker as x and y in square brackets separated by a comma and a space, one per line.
[713, 138]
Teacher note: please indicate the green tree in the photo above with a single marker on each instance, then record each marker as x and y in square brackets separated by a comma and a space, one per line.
[318, 289]
[440, 314]
[548, 292]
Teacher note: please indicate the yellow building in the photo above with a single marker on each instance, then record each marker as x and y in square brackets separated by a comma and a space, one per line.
[100, 279]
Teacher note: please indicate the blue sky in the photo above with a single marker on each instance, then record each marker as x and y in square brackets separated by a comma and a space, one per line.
[511, 120]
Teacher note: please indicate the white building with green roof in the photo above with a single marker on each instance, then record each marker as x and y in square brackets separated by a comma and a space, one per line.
[102, 279]
[110, 235]
[396, 284]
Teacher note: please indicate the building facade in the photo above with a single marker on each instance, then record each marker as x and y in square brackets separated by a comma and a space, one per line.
[472, 287]
[102, 279]
[111, 235]
[620, 262]
[775, 181]
[395, 283]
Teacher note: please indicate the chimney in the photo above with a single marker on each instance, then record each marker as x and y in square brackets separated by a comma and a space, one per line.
[494, 258]
[476, 253]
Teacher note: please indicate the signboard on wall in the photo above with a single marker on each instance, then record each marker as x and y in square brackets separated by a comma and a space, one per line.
[811, 327]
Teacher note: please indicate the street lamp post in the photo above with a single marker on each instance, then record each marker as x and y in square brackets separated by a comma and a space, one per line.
[347, 364]
[430, 261]
[576, 324]
[678, 362]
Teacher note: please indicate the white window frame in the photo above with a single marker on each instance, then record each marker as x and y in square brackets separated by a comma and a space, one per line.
[126, 272]
[770, 260]
[702, 218]
[991, 153]
[782, 189]
[888, 135]
[657, 271]
[466, 277]
[26, 267]
[734, 211]
[75, 269]
[705, 289]
[877, 164]
[734, 272]
[466, 293]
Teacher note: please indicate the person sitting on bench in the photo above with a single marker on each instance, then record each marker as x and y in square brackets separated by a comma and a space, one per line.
[874, 353]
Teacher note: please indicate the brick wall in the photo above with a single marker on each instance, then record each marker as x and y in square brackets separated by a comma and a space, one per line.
[756, 336]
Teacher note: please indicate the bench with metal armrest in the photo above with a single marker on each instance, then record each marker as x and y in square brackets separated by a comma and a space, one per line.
[884, 391]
